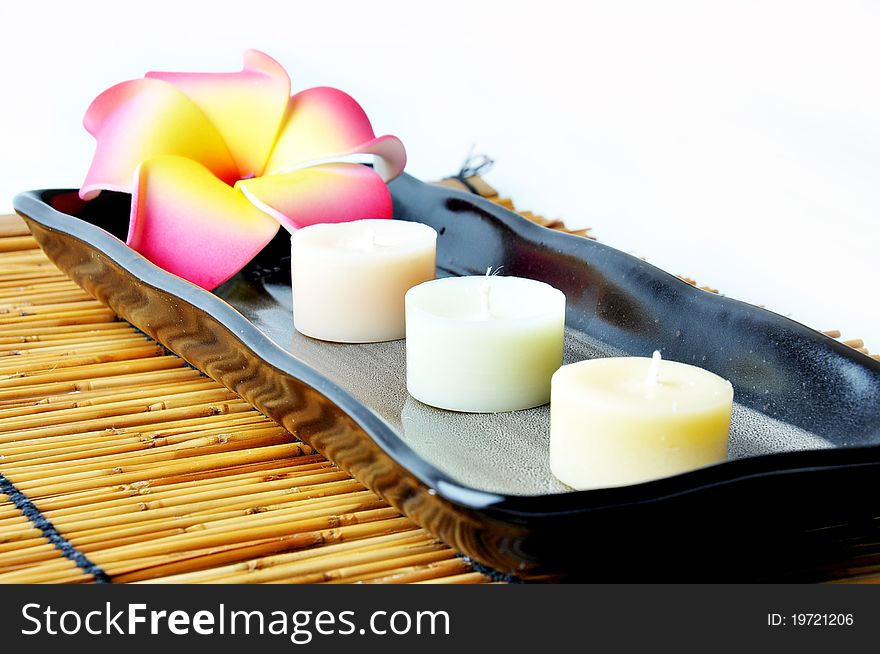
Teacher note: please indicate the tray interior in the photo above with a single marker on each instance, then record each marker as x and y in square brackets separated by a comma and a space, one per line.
[507, 453]
[502, 453]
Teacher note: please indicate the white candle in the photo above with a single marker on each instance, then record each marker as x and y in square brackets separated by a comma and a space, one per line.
[626, 420]
[483, 344]
[349, 279]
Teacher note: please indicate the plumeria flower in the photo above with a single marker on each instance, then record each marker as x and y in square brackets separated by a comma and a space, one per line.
[217, 162]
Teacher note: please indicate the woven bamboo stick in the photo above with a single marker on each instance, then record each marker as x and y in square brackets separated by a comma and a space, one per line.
[121, 497]
[256, 526]
[203, 463]
[33, 276]
[268, 468]
[13, 269]
[62, 570]
[38, 364]
[36, 453]
[12, 540]
[246, 473]
[17, 289]
[13, 243]
[131, 535]
[62, 319]
[151, 525]
[75, 343]
[467, 578]
[121, 421]
[65, 346]
[358, 537]
[20, 368]
[80, 399]
[255, 472]
[72, 314]
[80, 373]
[7, 509]
[92, 411]
[295, 546]
[147, 457]
[49, 287]
[156, 430]
[128, 452]
[37, 575]
[104, 387]
[73, 411]
[12, 315]
[23, 293]
[145, 566]
[36, 341]
[25, 258]
[19, 523]
[150, 463]
[29, 255]
[213, 510]
[27, 292]
[30, 302]
[453, 566]
[13, 225]
[71, 504]
[184, 526]
[181, 504]
[42, 333]
[370, 562]
[26, 531]
[309, 528]
[166, 374]
[105, 396]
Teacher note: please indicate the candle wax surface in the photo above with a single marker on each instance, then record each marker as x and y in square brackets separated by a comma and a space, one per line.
[349, 279]
[611, 425]
[483, 343]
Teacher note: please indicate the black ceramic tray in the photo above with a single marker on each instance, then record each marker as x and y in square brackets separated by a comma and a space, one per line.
[797, 496]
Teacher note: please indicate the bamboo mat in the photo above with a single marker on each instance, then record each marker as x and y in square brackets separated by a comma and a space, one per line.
[127, 465]
[156, 473]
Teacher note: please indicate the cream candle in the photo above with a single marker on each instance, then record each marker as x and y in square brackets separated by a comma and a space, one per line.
[483, 344]
[349, 279]
[621, 421]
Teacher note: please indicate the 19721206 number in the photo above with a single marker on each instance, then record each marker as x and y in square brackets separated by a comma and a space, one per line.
[810, 620]
[822, 619]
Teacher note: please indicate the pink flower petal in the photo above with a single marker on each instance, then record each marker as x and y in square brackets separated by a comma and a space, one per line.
[328, 193]
[190, 223]
[246, 107]
[324, 123]
[144, 118]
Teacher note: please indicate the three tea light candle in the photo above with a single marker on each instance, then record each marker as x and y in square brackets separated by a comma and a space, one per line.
[490, 343]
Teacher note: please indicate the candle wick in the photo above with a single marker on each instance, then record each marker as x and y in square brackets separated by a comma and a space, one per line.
[654, 371]
[485, 301]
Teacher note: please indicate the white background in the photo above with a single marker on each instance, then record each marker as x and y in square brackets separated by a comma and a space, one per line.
[736, 142]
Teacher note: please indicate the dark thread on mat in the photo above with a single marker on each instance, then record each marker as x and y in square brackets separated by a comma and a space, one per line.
[473, 166]
[493, 574]
[29, 510]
